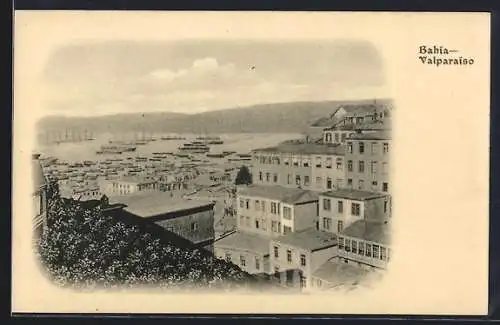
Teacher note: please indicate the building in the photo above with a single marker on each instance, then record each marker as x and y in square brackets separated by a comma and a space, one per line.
[312, 166]
[40, 198]
[273, 210]
[192, 220]
[335, 275]
[250, 252]
[368, 161]
[339, 209]
[128, 185]
[295, 256]
[366, 243]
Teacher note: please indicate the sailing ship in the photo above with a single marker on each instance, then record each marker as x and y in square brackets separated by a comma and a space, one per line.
[211, 139]
[195, 147]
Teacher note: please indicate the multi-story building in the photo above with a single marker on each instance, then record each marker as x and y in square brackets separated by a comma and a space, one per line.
[192, 220]
[128, 185]
[274, 211]
[312, 166]
[336, 275]
[39, 199]
[294, 257]
[339, 209]
[366, 243]
[368, 161]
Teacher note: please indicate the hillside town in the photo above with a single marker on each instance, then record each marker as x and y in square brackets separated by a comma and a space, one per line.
[311, 213]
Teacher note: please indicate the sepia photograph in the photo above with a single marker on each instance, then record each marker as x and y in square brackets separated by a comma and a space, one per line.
[218, 154]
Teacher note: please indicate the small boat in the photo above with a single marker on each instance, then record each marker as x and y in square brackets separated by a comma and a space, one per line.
[173, 137]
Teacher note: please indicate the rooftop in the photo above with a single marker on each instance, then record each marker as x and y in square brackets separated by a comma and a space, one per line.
[360, 109]
[384, 124]
[306, 148]
[135, 179]
[310, 239]
[377, 135]
[147, 205]
[374, 231]
[338, 273]
[245, 241]
[354, 194]
[283, 194]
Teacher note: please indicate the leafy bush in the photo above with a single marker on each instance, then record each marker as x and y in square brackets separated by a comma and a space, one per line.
[82, 247]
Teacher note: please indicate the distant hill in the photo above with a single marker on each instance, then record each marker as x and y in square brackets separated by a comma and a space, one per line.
[273, 118]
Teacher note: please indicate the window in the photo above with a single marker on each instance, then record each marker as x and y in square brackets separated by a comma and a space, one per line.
[287, 230]
[274, 226]
[368, 250]
[274, 209]
[275, 178]
[295, 161]
[194, 226]
[277, 272]
[354, 245]
[242, 260]
[341, 242]
[327, 222]
[337, 139]
[286, 161]
[228, 256]
[289, 256]
[340, 226]
[257, 205]
[349, 182]
[329, 183]
[383, 254]
[247, 203]
[256, 224]
[318, 180]
[297, 180]
[340, 207]
[302, 260]
[260, 176]
[361, 166]
[326, 204]
[374, 167]
[374, 185]
[303, 282]
[385, 205]
[289, 179]
[389, 252]
[375, 251]
[343, 136]
[263, 205]
[349, 165]
[318, 162]
[385, 187]
[361, 248]
[385, 168]
[347, 245]
[339, 163]
[276, 251]
[374, 148]
[268, 177]
[349, 147]
[305, 162]
[242, 203]
[306, 180]
[361, 148]
[361, 184]
[355, 209]
[263, 224]
[386, 147]
[287, 213]
[328, 162]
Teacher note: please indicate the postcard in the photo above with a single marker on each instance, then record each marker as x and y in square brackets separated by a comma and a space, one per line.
[251, 162]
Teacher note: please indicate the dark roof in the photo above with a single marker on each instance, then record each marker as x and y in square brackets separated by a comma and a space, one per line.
[147, 205]
[374, 231]
[245, 241]
[377, 135]
[353, 194]
[283, 194]
[306, 148]
[338, 273]
[38, 176]
[309, 239]
[351, 110]
[379, 125]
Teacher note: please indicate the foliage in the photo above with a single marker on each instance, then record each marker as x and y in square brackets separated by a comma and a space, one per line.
[83, 247]
[244, 177]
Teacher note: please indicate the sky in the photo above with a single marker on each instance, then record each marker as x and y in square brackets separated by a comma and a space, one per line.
[192, 76]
